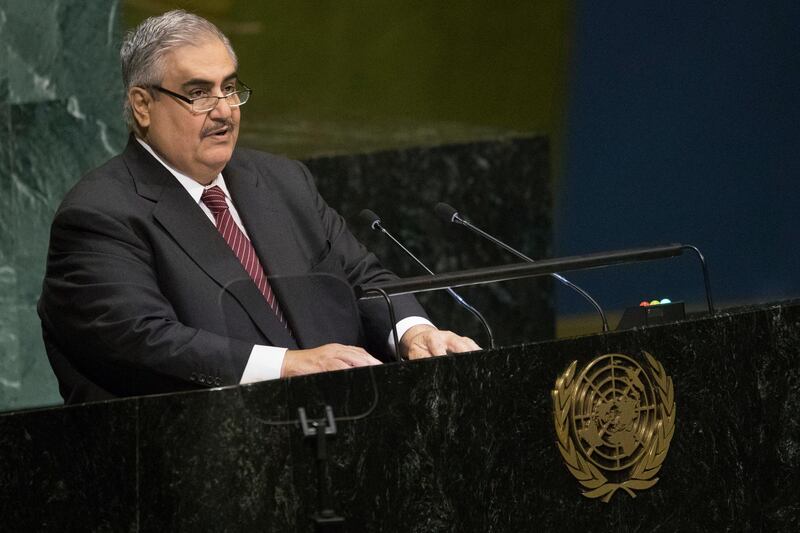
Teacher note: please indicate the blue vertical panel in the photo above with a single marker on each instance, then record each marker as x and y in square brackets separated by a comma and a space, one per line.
[683, 126]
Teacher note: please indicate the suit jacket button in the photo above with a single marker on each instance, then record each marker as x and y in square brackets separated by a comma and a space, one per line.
[193, 377]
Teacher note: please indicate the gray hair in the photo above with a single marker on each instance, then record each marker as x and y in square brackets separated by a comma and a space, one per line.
[144, 48]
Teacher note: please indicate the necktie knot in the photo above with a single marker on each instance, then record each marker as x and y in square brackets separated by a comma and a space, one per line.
[214, 198]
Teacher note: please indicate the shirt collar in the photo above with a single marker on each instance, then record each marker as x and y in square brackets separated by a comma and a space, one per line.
[194, 188]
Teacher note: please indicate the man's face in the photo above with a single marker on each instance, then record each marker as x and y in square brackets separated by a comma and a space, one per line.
[197, 144]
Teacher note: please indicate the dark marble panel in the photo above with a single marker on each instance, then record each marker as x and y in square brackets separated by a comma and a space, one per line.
[217, 462]
[457, 443]
[70, 469]
[4, 50]
[502, 186]
[5, 174]
[467, 442]
[432, 457]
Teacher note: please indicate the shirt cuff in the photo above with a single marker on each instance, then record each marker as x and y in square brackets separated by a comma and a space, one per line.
[403, 326]
[265, 363]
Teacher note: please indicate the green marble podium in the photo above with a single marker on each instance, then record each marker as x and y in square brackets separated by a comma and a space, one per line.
[457, 443]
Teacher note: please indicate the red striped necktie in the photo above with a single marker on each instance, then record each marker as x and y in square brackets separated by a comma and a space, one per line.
[214, 198]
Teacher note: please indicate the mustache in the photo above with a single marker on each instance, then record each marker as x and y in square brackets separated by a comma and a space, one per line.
[230, 124]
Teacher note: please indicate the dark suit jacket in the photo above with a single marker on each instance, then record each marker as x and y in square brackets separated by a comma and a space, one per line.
[142, 295]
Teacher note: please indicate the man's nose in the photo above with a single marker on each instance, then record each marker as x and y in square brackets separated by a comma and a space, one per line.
[222, 110]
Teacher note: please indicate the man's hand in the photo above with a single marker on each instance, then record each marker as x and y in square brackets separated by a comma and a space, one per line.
[324, 358]
[427, 341]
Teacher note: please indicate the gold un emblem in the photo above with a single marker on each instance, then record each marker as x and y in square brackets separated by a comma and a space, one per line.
[614, 423]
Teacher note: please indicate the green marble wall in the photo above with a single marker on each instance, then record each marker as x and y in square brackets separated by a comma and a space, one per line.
[59, 116]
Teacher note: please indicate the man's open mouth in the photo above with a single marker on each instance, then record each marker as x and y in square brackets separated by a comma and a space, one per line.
[218, 133]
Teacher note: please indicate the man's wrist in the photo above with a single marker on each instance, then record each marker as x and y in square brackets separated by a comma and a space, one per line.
[403, 327]
[265, 363]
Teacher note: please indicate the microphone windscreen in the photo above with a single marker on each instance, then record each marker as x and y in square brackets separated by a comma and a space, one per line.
[369, 217]
[445, 212]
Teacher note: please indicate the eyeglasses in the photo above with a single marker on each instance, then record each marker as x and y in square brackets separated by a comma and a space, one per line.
[204, 104]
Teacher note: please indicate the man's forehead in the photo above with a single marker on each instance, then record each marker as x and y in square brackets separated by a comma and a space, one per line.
[207, 60]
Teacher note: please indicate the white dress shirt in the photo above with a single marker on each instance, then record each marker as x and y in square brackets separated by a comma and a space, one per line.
[265, 362]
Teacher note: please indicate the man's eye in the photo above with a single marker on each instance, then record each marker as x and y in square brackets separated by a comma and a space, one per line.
[197, 93]
[228, 89]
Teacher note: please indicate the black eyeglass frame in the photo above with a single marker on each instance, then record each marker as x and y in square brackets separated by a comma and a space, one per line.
[247, 90]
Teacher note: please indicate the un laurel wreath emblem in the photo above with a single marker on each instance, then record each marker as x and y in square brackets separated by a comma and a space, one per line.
[614, 422]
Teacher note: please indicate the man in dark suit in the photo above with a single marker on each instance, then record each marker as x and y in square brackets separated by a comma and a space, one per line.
[185, 262]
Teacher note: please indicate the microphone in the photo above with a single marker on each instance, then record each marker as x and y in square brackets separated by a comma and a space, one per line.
[374, 222]
[449, 214]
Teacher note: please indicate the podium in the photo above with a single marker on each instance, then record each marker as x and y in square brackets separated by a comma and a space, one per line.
[458, 443]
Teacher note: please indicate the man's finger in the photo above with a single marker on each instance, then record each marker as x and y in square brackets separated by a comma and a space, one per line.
[429, 344]
[351, 355]
[461, 344]
[357, 358]
[334, 364]
[437, 346]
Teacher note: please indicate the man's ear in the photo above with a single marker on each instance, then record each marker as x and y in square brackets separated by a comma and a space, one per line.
[140, 100]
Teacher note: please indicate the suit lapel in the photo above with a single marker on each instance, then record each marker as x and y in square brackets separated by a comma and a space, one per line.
[183, 219]
[269, 225]
[265, 219]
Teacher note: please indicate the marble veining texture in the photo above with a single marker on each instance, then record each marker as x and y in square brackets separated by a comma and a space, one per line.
[60, 105]
[459, 443]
